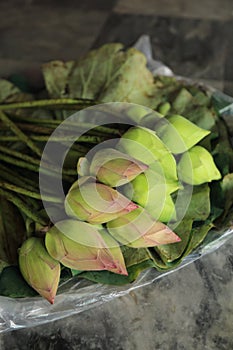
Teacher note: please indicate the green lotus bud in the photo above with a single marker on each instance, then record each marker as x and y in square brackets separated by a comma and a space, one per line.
[164, 108]
[182, 100]
[168, 212]
[179, 134]
[95, 202]
[137, 112]
[151, 191]
[81, 246]
[137, 230]
[197, 166]
[38, 268]
[114, 168]
[144, 145]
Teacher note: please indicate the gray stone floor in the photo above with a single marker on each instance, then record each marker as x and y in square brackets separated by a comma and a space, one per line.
[193, 307]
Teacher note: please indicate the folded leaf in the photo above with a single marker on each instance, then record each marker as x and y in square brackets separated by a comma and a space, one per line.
[107, 74]
[198, 209]
[106, 277]
[197, 236]
[227, 188]
[12, 284]
[170, 252]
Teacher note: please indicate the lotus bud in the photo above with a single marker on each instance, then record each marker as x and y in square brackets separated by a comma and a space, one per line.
[95, 202]
[139, 230]
[114, 168]
[150, 120]
[83, 166]
[137, 112]
[38, 268]
[151, 191]
[197, 166]
[168, 212]
[182, 100]
[179, 134]
[81, 246]
[144, 145]
[164, 108]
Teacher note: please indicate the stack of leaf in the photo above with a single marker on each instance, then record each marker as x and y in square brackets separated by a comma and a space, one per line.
[106, 75]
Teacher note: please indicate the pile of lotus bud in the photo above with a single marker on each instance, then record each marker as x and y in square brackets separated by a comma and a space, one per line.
[124, 196]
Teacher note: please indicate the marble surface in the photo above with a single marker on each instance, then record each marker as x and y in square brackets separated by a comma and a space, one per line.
[191, 309]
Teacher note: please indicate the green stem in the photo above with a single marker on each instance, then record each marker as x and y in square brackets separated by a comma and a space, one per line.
[41, 121]
[91, 128]
[7, 175]
[28, 193]
[19, 155]
[88, 139]
[31, 128]
[51, 171]
[19, 163]
[24, 138]
[43, 138]
[36, 128]
[23, 206]
[31, 160]
[49, 129]
[63, 103]
[53, 123]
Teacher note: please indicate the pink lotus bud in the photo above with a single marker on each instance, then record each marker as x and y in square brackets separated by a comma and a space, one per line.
[115, 168]
[95, 202]
[38, 268]
[82, 246]
[138, 229]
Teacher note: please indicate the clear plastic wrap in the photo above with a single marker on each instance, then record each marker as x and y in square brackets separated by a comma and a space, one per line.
[75, 295]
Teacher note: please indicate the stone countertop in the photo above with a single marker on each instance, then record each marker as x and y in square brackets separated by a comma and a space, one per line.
[191, 308]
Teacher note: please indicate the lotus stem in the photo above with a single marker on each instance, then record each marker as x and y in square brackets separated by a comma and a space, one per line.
[63, 103]
[43, 138]
[7, 175]
[49, 170]
[23, 207]
[21, 136]
[28, 193]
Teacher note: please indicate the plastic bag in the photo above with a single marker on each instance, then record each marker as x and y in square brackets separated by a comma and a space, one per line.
[77, 296]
